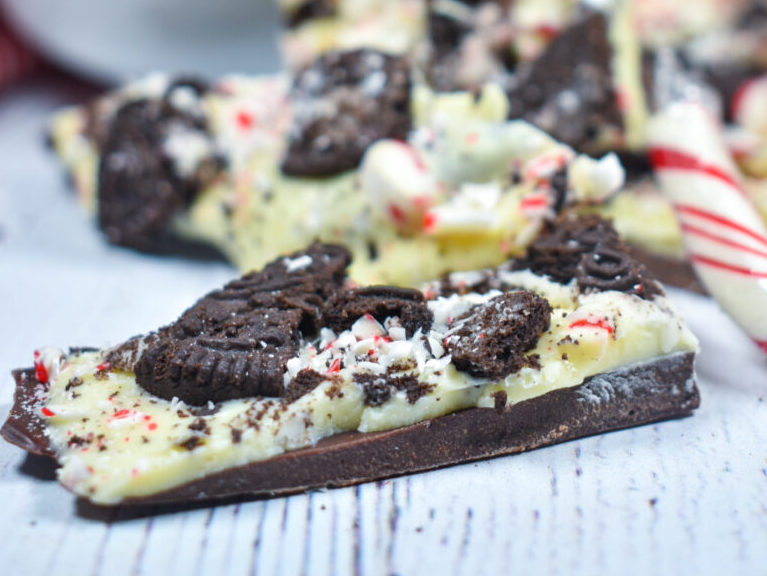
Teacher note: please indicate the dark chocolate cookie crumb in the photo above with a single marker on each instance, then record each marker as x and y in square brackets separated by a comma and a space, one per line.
[80, 350]
[191, 443]
[381, 302]
[139, 188]
[568, 91]
[588, 248]
[73, 383]
[344, 102]
[208, 409]
[124, 357]
[102, 371]
[378, 388]
[78, 441]
[414, 389]
[235, 342]
[303, 383]
[499, 401]
[200, 425]
[490, 340]
[533, 361]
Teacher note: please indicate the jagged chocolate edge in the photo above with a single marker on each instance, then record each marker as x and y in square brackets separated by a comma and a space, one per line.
[24, 427]
[657, 390]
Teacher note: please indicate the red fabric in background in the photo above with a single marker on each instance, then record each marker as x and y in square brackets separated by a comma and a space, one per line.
[17, 61]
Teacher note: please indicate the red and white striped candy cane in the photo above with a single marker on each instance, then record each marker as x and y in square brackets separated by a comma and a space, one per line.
[725, 238]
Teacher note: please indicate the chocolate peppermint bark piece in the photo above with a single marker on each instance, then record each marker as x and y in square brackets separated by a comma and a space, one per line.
[638, 395]
[405, 213]
[292, 378]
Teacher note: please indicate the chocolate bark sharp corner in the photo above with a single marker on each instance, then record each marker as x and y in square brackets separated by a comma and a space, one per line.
[145, 174]
[491, 339]
[24, 427]
[235, 342]
[343, 103]
[568, 91]
[380, 302]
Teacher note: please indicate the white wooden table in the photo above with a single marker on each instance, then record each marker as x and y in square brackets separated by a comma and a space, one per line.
[681, 497]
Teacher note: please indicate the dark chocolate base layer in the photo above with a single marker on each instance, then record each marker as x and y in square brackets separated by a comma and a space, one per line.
[639, 394]
[670, 271]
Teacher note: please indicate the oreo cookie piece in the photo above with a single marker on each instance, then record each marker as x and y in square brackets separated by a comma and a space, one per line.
[343, 103]
[490, 340]
[380, 302]
[379, 388]
[557, 252]
[242, 357]
[606, 268]
[568, 91]
[235, 342]
[140, 184]
[589, 249]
